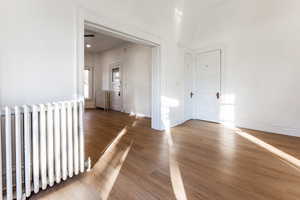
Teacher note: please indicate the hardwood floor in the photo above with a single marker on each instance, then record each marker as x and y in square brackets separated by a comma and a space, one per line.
[196, 160]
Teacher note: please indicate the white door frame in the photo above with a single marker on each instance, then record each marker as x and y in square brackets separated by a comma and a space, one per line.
[89, 18]
[189, 87]
[92, 82]
[111, 66]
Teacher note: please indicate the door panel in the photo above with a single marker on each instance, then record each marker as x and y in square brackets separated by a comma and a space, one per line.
[116, 88]
[207, 86]
[188, 65]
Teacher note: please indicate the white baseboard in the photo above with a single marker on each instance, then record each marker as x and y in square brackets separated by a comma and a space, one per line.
[138, 115]
[270, 128]
[277, 129]
[177, 122]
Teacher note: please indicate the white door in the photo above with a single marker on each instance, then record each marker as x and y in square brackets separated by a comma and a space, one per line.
[188, 100]
[116, 88]
[207, 86]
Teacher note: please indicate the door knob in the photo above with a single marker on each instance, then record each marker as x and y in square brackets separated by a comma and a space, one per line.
[191, 94]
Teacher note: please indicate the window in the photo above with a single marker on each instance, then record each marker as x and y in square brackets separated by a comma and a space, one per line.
[88, 83]
[116, 74]
[116, 80]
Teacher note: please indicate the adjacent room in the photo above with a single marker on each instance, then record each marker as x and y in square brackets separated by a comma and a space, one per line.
[146, 100]
[117, 74]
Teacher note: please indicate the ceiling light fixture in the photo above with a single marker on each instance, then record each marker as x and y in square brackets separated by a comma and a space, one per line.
[88, 46]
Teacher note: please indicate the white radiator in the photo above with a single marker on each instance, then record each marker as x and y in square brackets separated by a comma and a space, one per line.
[103, 99]
[40, 145]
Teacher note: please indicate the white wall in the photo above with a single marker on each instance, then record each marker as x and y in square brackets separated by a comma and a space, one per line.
[136, 63]
[37, 51]
[260, 39]
[38, 45]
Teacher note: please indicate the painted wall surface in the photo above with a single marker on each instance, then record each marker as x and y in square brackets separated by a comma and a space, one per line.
[260, 39]
[38, 45]
[37, 51]
[261, 61]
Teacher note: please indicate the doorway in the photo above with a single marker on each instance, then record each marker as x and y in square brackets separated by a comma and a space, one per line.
[206, 92]
[188, 70]
[116, 87]
[125, 74]
[122, 74]
[130, 33]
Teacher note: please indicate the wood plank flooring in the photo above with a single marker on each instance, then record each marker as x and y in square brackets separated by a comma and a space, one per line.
[196, 160]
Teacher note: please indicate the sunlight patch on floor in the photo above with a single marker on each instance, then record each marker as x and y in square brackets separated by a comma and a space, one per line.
[106, 171]
[227, 116]
[107, 168]
[175, 174]
[285, 156]
[134, 123]
[98, 183]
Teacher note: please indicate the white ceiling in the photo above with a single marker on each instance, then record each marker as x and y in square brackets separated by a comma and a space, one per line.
[101, 42]
[197, 17]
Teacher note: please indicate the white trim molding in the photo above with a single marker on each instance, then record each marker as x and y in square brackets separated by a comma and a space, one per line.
[88, 18]
[266, 127]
